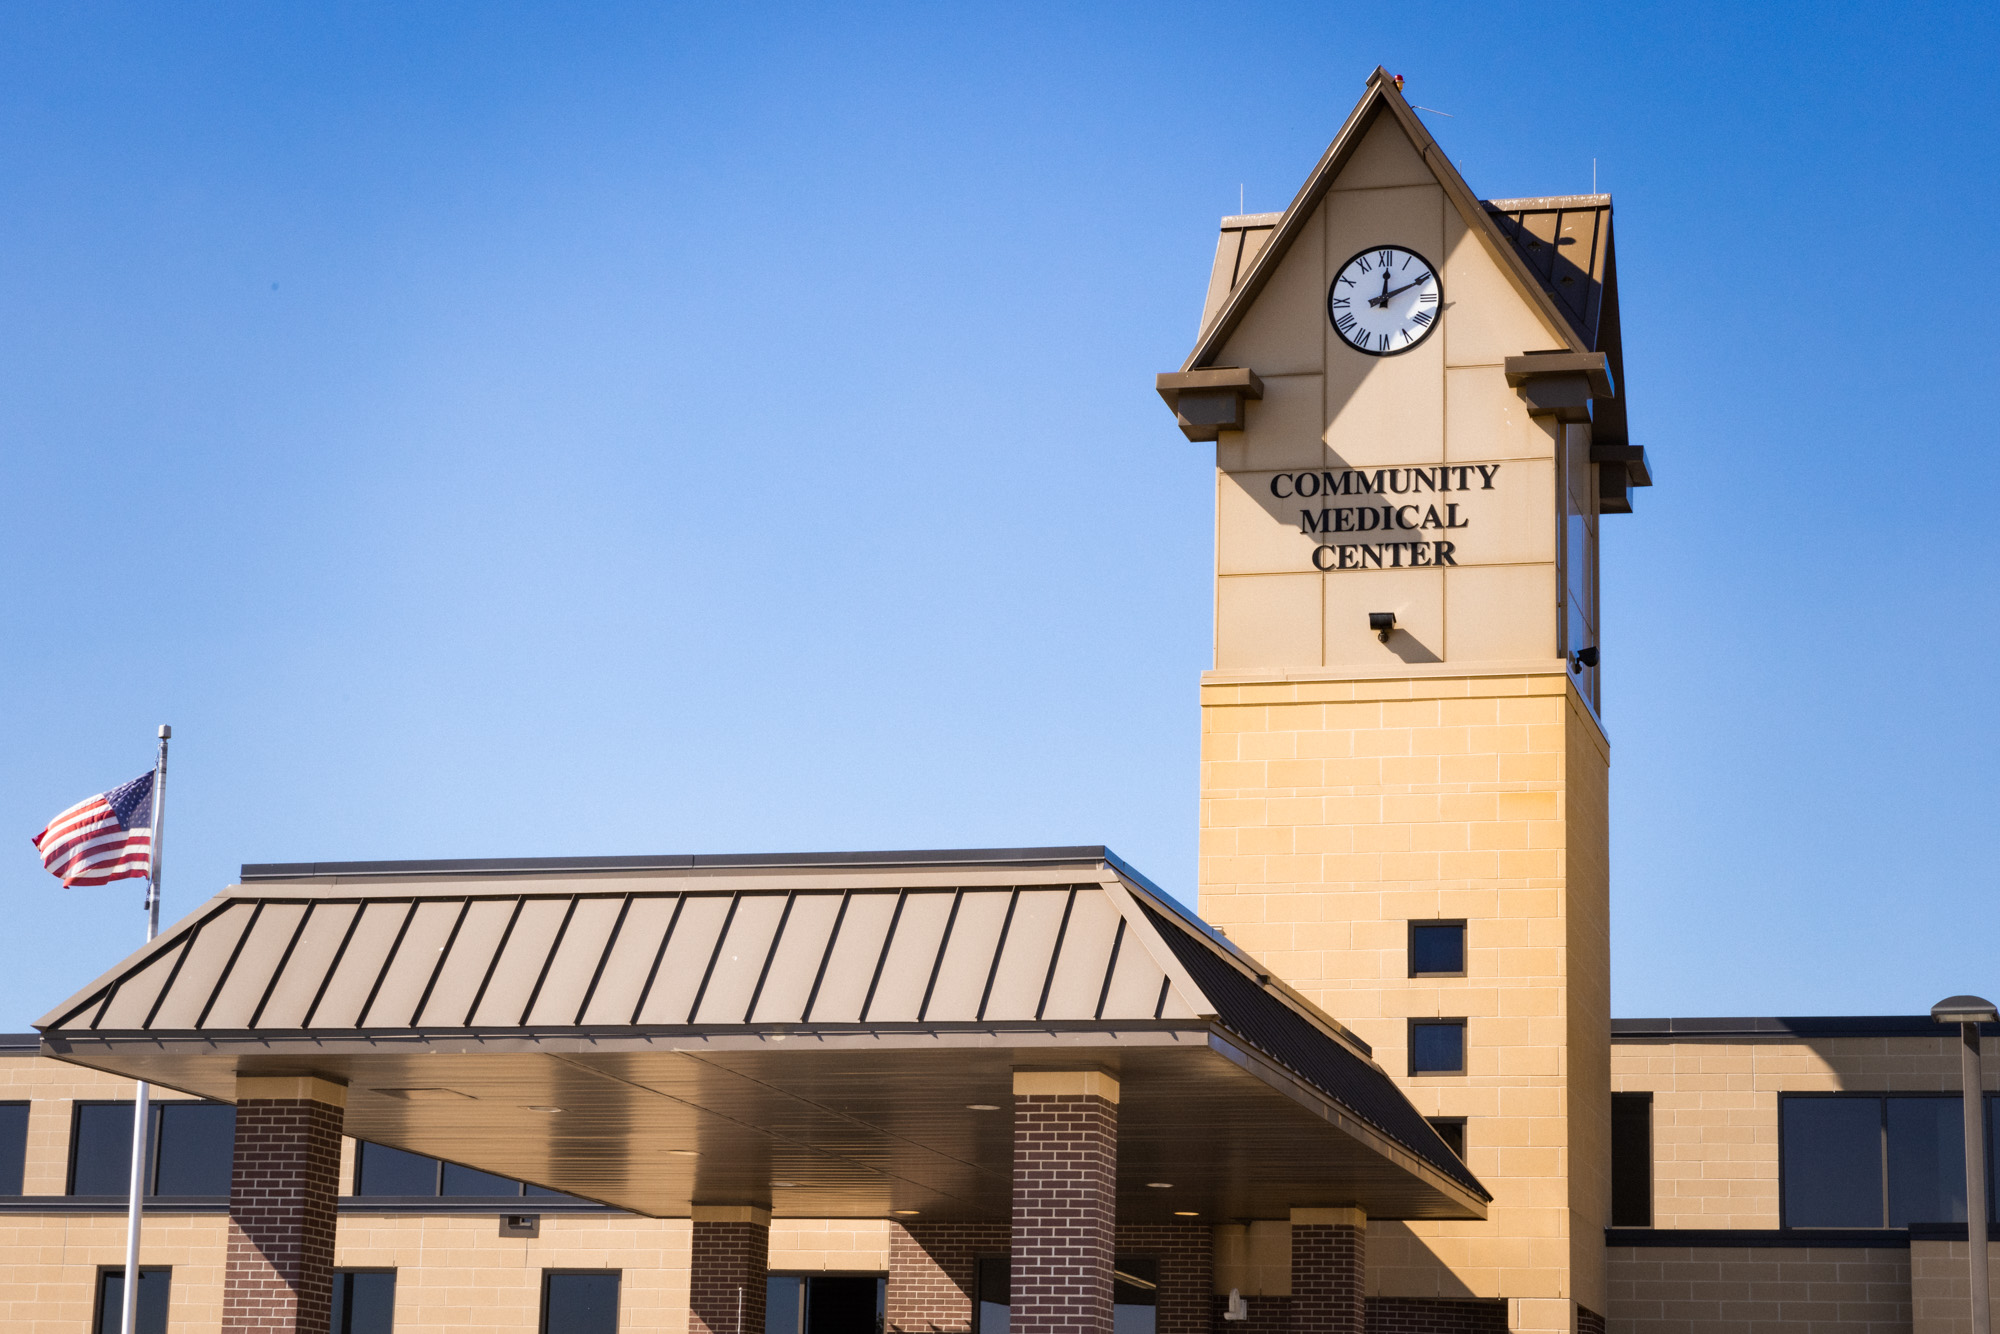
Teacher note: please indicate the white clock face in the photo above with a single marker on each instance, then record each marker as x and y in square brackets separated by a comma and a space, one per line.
[1385, 300]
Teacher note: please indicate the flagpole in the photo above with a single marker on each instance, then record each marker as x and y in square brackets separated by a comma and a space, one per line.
[135, 1206]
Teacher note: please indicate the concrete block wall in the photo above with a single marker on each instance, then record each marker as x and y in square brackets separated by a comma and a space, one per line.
[1760, 1290]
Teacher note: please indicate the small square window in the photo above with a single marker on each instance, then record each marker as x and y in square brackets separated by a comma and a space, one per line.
[1437, 1046]
[152, 1304]
[1450, 1129]
[580, 1303]
[364, 1301]
[1437, 949]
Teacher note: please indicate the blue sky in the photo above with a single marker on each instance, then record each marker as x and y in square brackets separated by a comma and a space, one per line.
[536, 429]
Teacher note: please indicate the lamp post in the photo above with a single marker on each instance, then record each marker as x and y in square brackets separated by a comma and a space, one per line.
[1969, 1012]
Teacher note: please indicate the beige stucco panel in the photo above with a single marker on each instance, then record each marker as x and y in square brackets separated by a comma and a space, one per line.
[1385, 156]
[1486, 318]
[1415, 596]
[1486, 419]
[1385, 409]
[1505, 516]
[1267, 621]
[1281, 333]
[1501, 612]
[1280, 430]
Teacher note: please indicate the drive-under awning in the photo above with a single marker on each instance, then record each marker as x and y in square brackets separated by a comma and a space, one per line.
[827, 1036]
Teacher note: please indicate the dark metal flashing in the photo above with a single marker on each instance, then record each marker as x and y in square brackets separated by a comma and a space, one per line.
[683, 862]
[20, 1044]
[1797, 1026]
[348, 1204]
[1791, 1238]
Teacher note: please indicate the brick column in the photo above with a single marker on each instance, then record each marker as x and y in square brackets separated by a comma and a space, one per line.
[278, 1270]
[728, 1261]
[1329, 1271]
[934, 1275]
[1065, 1201]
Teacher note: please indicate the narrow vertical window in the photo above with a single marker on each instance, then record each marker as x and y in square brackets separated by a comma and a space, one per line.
[994, 1295]
[1832, 1161]
[1135, 1294]
[784, 1304]
[1631, 1160]
[13, 1146]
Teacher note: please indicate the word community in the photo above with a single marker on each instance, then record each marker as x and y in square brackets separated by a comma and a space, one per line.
[1386, 519]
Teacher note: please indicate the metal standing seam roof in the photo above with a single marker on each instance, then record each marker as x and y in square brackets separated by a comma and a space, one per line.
[365, 951]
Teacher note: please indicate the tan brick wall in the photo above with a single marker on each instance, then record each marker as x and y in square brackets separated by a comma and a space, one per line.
[1941, 1286]
[459, 1274]
[1760, 1290]
[1334, 813]
[1715, 1110]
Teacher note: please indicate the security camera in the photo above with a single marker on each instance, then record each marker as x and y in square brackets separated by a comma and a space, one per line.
[1383, 623]
[1582, 658]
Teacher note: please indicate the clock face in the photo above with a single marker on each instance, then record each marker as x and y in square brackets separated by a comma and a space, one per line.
[1385, 300]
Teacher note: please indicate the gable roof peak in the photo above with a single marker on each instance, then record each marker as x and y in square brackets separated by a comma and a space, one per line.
[1382, 96]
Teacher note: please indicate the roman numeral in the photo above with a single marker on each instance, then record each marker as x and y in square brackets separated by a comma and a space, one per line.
[1428, 299]
[1366, 267]
[1406, 263]
[1345, 324]
[1385, 342]
[1340, 301]
[1387, 257]
[1421, 318]
[1348, 281]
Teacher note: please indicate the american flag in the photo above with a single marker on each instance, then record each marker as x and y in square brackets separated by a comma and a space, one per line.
[109, 837]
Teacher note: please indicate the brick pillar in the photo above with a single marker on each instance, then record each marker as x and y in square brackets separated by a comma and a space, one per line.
[934, 1275]
[1065, 1201]
[278, 1270]
[728, 1261]
[1329, 1271]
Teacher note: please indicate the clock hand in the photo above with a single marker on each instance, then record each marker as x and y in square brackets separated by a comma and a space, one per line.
[1383, 300]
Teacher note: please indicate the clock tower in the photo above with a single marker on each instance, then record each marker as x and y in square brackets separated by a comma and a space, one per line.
[1416, 399]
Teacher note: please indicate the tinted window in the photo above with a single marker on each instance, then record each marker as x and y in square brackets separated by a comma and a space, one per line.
[153, 1285]
[470, 1181]
[381, 1170]
[842, 1304]
[1450, 1129]
[196, 1143]
[364, 1301]
[1631, 1160]
[993, 1295]
[1135, 1294]
[783, 1307]
[580, 1303]
[1437, 1048]
[13, 1146]
[1437, 947]
[1926, 1161]
[101, 1151]
[1832, 1162]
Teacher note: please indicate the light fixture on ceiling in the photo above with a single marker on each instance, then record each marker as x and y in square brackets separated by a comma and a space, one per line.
[905, 1213]
[785, 1185]
[982, 1107]
[1187, 1213]
[1159, 1185]
[686, 1153]
[545, 1109]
